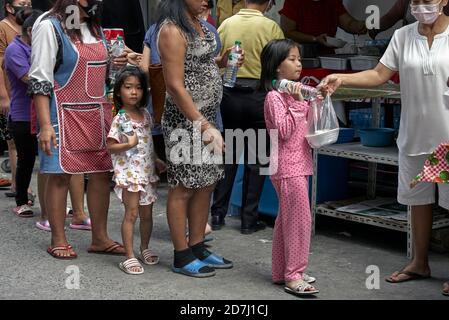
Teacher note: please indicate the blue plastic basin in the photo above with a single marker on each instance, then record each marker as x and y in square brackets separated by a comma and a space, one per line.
[377, 137]
[345, 135]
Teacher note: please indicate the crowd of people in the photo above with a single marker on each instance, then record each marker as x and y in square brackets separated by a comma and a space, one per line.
[53, 103]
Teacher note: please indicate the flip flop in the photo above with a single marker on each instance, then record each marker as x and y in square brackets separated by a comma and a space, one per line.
[5, 183]
[43, 225]
[109, 250]
[85, 225]
[52, 251]
[411, 276]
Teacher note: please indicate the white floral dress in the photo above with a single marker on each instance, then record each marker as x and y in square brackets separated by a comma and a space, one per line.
[136, 173]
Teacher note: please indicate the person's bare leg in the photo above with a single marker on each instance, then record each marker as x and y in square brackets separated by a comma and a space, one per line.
[55, 204]
[198, 213]
[131, 202]
[422, 221]
[98, 205]
[146, 225]
[76, 190]
[12, 154]
[177, 206]
[42, 180]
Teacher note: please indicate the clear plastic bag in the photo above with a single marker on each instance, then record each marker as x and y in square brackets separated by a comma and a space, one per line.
[323, 123]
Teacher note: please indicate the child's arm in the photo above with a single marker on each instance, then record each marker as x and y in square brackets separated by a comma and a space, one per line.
[113, 143]
[284, 117]
[115, 147]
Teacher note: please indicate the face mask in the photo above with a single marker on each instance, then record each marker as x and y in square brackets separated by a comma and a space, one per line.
[17, 9]
[426, 13]
[93, 8]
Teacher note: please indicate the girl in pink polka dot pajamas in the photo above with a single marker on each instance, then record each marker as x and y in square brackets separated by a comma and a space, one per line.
[290, 166]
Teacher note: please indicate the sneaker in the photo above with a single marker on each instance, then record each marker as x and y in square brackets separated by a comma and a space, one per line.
[23, 211]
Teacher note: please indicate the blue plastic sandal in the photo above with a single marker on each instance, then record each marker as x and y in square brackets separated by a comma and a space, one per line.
[197, 269]
[218, 262]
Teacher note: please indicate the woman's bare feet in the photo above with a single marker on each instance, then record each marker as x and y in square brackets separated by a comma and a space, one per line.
[410, 272]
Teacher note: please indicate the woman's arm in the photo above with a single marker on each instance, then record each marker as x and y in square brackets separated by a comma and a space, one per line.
[172, 48]
[349, 24]
[289, 28]
[145, 62]
[47, 135]
[365, 79]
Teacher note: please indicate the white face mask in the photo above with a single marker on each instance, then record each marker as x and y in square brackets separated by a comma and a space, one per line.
[426, 13]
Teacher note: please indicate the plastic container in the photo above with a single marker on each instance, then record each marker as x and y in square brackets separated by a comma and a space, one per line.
[377, 137]
[334, 62]
[345, 135]
[230, 74]
[363, 62]
[335, 42]
[126, 127]
[116, 50]
[283, 85]
[309, 50]
[310, 63]
[323, 137]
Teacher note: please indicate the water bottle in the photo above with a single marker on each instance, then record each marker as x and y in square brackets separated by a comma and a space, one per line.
[117, 49]
[230, 74]
[126, 127]
[283, 85]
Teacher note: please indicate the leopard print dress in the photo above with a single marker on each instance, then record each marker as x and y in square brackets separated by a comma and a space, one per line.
[202, 80]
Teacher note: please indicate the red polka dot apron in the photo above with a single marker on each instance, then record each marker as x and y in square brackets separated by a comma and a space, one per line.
[84, 113]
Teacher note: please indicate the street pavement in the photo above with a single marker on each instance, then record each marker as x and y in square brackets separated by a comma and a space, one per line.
[349, 260]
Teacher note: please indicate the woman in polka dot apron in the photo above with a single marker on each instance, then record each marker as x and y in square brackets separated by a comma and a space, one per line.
[67, 80]
[290, 166]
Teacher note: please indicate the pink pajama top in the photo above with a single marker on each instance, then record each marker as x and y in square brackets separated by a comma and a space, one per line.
[292, 156]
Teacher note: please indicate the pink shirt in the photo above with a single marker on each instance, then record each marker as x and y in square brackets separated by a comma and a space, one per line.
[293, 155]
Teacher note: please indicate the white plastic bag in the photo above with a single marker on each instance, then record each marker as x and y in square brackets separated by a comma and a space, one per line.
[322, 122]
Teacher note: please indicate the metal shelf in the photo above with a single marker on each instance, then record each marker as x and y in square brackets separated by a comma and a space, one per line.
[375, 221]
[356, 151]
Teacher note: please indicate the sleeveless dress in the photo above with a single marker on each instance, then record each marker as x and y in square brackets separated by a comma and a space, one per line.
[202, 80]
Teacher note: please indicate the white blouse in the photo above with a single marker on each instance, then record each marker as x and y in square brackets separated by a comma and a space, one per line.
[424, 74]
[44, 49]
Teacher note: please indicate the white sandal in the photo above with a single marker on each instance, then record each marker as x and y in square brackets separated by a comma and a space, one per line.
[307, 278]
[129, 264]
[302, 289]
[149, 257]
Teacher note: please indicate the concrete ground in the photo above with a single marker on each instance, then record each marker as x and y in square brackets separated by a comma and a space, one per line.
[340, 255]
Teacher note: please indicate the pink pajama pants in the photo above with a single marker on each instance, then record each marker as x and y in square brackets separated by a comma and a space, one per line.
[292, 230]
